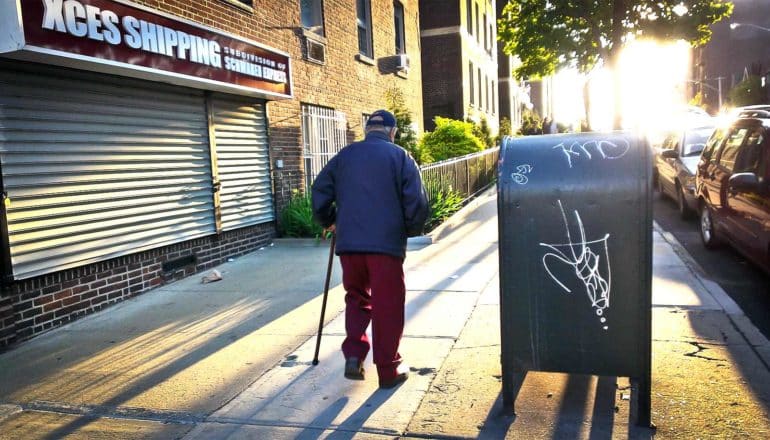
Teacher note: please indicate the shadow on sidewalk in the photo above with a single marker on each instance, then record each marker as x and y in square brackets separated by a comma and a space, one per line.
[574, 417]
[108, 371]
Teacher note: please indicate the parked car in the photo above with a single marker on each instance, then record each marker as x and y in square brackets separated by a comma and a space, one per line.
[676, 163]
[750, 111]
[733, 189]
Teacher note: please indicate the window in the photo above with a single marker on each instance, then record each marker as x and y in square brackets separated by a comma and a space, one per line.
[730, 150]
[478, 37]
[364, 23]
[469, 18]
[494, 106]
[479, 84]
[311, 14]
[398, 18]
[712, 144]
[750, 155]
[486, 35]
[324, 133]
[247, 3]
[491, 39]
[470, 84]
[486, 90]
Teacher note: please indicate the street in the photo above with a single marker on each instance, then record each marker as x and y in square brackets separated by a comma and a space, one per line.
[746, 284]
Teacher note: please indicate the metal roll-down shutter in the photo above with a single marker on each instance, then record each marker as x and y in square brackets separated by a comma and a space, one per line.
[98, 167]
[242, 160]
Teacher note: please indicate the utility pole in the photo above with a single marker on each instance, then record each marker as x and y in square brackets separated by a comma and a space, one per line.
[719, 82]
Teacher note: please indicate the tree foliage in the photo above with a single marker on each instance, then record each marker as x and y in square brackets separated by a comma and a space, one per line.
[451, 138]
[749, 92]
[406, 137]
[482, 131]
[505, 130]
[530, 123]
[546, 35]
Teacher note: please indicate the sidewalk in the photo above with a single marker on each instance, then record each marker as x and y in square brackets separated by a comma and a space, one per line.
[232, 359]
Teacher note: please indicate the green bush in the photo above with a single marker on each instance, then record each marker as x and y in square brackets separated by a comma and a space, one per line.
[451, 138]
[444, 203]
[505, 130]
[530, 123]
[482, 131]
[297, 218]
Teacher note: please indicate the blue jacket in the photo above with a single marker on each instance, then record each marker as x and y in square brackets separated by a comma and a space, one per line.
[373, 192]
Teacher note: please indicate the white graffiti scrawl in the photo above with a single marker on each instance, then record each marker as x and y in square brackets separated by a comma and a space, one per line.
[594, 149]
[520, 176]
[590, 261]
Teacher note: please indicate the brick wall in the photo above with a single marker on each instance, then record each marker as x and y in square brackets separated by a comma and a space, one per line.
[443, 78]
[29, 307]
[447, 49]
[441, 13]
[342, 83]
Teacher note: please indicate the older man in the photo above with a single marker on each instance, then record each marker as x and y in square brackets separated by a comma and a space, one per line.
[371, 195]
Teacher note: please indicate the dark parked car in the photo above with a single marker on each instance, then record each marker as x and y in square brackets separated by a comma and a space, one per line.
[675, 166]
[733, 188]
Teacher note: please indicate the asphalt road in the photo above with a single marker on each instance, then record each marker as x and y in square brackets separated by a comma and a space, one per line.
[746, 284]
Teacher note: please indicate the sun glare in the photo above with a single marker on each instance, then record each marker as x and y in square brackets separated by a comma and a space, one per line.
[653, 77]
[653, 81]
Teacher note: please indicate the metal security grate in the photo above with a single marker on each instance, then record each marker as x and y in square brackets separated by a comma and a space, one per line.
[97, 167]
[243, 161]
[324, 134]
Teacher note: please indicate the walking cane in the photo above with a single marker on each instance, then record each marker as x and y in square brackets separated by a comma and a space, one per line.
[326, 295]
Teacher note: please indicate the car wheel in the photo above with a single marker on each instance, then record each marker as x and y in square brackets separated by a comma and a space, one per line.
[707, 229]
[681, 202]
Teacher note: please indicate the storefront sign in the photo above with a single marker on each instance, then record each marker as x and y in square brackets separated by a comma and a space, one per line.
[135, 37]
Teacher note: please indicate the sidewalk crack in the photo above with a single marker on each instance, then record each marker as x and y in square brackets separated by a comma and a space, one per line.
[697, 353]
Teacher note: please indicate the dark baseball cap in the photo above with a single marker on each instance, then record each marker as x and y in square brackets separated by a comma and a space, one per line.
[382, 117]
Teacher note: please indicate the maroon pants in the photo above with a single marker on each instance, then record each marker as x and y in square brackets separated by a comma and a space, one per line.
[375, 292]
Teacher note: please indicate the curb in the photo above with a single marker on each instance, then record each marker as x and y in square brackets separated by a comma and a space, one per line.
[757, 341]
[7, 410]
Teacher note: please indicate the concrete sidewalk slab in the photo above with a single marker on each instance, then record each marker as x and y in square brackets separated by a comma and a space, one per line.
[298, 394]
[37, 425]
[146, 352]
[677, 286]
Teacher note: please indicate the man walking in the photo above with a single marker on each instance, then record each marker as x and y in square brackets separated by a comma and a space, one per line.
[371, 195]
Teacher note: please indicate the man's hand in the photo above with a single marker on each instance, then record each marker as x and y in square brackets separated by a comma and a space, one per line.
[328, 232]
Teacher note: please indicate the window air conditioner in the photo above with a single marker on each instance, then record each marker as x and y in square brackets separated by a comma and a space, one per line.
[316, 51]
[402, 63]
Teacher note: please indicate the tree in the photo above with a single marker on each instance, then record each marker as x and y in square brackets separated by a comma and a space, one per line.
[547, 35]
[749, 92]
[406, 138]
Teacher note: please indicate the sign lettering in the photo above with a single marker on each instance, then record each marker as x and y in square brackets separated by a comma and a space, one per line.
[139, 37]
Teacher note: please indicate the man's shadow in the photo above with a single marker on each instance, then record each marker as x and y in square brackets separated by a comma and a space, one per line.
[350, 426]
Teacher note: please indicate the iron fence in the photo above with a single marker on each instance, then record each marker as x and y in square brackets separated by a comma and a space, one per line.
[466, 175]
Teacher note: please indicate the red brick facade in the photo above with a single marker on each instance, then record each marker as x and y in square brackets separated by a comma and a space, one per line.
[343, 83]
[452, 45]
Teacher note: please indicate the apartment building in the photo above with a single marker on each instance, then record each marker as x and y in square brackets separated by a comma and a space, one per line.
[459, 60]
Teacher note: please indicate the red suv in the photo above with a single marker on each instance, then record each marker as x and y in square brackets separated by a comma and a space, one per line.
[733, 188]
